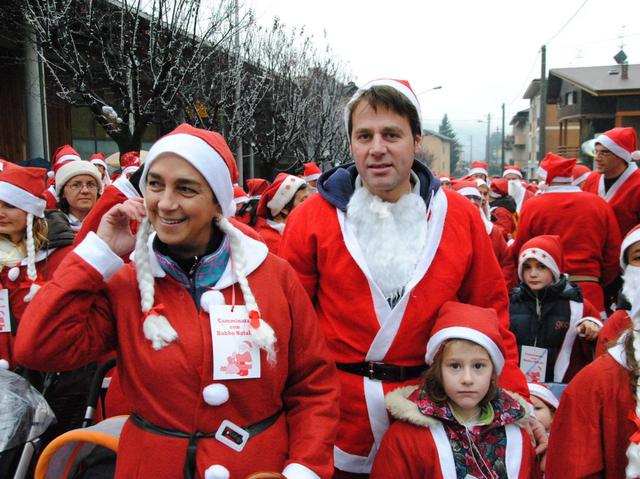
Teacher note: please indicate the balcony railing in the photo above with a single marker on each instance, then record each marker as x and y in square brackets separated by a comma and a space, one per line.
[569, 151]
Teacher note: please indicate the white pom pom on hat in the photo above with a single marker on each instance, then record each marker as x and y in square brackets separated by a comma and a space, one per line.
[217, 472]
[215, 394]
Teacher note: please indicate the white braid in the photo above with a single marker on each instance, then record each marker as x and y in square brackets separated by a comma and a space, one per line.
[264, 336]
[32, 272]
[156, 328]
[633, 450]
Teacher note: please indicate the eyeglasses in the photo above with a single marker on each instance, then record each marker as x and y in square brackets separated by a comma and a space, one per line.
[603, 153]
[78, 186]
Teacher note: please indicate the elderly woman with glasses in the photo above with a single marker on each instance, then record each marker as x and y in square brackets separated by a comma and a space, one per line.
[78, 186]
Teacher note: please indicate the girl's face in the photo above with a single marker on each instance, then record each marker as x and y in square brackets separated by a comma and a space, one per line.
[466, 376]
[536, 275]
[543, 412]
[180, 205]
[13, 222]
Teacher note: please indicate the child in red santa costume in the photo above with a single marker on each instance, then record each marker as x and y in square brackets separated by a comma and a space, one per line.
[197, 288]
[596, 429]
[458, 423]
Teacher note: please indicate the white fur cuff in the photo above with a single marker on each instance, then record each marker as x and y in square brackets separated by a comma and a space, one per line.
[298, 471]
[99, 255]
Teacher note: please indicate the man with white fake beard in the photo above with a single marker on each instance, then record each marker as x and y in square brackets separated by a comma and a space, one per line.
[379, 250]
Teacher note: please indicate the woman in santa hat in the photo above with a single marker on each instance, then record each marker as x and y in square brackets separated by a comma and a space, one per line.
[78, 186]
[277, 201]
[31, 247]
[198, 293]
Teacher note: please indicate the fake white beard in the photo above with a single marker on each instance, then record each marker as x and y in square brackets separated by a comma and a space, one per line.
[392, 237]
[631, 280]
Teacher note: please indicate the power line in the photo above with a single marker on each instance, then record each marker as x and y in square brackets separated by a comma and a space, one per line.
[567, 23]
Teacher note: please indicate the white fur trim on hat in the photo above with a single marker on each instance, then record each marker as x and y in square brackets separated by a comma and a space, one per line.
[614, 148]
[580, 179]
[481, 171]
[468, 191]
[217, 472]
[284, 194]
[632, 237]
[543, 257]
[98, 161]
[76, 168]
[470, 334]
[512, 171]
[215, 394]
[22, 199]
[68, 157]
[312, 177]
[241, 200]
[396, 85]
[544, 394]
[203, 158]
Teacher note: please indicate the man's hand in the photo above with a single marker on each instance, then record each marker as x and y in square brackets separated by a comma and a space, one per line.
[114, 227]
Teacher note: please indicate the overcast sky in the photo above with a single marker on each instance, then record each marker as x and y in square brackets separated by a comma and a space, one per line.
[482, 53]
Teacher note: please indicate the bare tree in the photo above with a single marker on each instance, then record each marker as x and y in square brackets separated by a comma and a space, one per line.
[127, 61]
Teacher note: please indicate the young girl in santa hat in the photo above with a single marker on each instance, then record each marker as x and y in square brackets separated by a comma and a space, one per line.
[458, 422]
[544, 402]
[31, 247]
[596, 429]
[198, 293]
[620, 321]
[555, 328]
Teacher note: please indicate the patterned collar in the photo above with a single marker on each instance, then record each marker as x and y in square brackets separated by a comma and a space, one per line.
[204, 273]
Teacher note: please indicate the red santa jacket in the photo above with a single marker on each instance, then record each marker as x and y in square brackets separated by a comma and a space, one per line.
[359, 324]
[623, 196]
[505, 220]
[92, 306]
[617, 323]
[591, 428]
[416, 446]
[586, 225]
[16, 281]
[269, 234]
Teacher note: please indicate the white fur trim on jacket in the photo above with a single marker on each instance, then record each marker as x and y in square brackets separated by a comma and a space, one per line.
[99, 255]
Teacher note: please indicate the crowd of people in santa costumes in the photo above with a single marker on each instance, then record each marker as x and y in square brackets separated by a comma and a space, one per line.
[319, 323]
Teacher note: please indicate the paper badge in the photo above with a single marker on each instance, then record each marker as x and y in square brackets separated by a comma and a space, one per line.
[235, 356]
[533, 363]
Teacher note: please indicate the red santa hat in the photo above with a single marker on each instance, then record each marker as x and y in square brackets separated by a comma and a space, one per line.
[470, 322]
[401, 86]
[479, 167]
[547, 249]
[208, 153]
[512, 169]
[556, 169]
[499, 188]
[256, 187]
[75, 168]
[543, 393]
[633, 236]
[311, 171]
[239, 195]
[622, 142]
[579, 174]
[467, 188]
[62, 156]
[22, 187]
[279, 193]
[5, 164]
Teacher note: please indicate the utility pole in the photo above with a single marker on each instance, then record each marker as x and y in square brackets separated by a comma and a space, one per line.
[470, 149]
[487, 155]
[239, 152]
[502, 149]
[542, 123]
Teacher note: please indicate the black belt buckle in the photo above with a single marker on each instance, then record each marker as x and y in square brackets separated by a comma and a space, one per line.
[371, 369]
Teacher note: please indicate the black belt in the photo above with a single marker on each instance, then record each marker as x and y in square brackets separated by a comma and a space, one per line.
[381, 371]
[232, 435]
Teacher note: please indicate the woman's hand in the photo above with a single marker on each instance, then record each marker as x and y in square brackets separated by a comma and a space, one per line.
[588, 330]
[114, 227]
